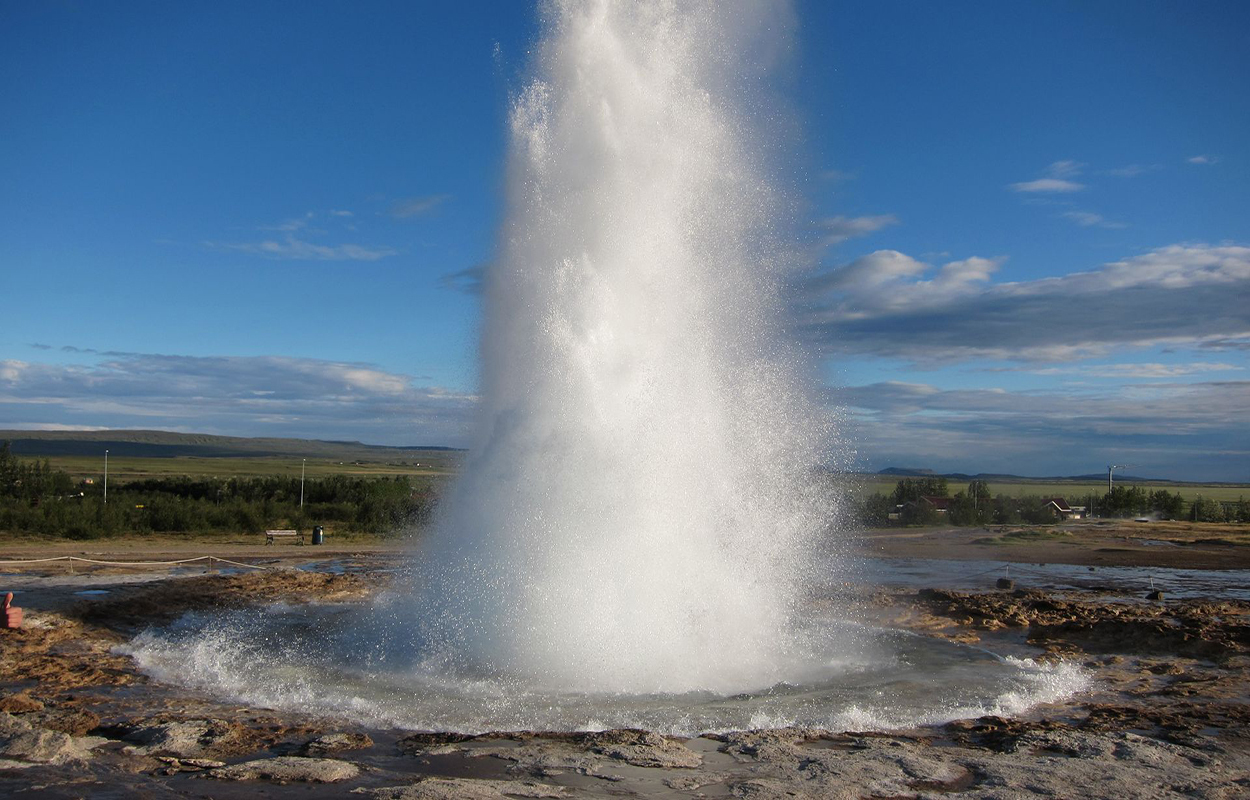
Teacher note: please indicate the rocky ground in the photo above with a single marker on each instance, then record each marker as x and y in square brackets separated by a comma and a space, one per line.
[1167, 715]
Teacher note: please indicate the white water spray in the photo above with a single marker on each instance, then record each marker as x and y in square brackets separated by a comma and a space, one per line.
[639, 509]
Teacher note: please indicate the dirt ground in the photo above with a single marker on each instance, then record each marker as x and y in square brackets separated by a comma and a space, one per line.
[1168, 713]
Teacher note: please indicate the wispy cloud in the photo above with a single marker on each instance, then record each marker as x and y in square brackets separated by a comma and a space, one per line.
[1183, 295]
[1231, 343]
[1048, 185]
[290, 225]
[296, 242]
[293, 248]
[883, 280]
[268, 395]
[1088, 219]
[1143, 370]
[1130, 171]
[1065, 169]
[835, 230]
[1193, 431]
[51, 426]
[469, 281]
[416, 206]
[1203, 159]
[1056, 179]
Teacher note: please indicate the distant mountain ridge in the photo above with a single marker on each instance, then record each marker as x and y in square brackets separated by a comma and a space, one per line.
[168, 444]
[905, 472]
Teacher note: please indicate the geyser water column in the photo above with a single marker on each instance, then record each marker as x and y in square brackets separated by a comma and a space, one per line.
[640, 506]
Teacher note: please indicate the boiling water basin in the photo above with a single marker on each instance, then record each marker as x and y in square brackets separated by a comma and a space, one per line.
[332, 660]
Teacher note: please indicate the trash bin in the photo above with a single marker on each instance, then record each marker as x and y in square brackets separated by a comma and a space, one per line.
[319, 535]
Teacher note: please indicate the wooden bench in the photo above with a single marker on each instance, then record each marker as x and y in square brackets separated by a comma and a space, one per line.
[296, 535]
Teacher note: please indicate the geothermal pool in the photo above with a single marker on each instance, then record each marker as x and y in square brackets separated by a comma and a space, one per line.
[320, 659]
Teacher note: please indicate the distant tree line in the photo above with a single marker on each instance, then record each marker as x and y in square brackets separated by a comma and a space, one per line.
[36, 498]
[976, 506]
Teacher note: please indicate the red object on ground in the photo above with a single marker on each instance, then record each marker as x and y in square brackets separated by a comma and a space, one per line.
[12, 614]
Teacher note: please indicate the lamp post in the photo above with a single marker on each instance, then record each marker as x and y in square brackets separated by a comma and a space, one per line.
[302, 462]
[106, 477]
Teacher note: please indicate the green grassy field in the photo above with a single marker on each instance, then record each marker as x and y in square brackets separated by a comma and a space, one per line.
[1070, 490]
[127, 468]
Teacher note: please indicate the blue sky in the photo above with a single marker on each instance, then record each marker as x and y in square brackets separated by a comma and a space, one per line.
[1031, 222]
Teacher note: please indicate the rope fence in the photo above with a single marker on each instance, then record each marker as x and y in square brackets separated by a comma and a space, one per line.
[210, 559]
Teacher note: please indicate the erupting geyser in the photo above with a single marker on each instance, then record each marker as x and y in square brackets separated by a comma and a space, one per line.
[634, 536]
[638, 511]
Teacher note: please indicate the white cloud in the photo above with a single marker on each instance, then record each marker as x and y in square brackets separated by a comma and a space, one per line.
[1184, 295]
[300, 250]
[1142, 370]
[1064, 169]
[1088, 219]
[1130, 171]
[263, 395]
[867, 274]
[1204, 159]
[416, 206]
[1186, 431]
[340, 213]
[470, 281]
[1055, 179]
[1048, 185]
[50, 426]
[882, 280]
[836, 230]
[11, 370]
[290, 226]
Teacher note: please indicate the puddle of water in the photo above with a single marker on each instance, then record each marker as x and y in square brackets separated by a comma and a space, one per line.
[979, 576]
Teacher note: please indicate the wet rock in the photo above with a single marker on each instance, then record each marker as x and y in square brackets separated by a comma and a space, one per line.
[336, 743]
[464, 789]
[63, 654]
[175, 765]
[641, 749]
[765, 790]
[420, 744]
[545, 754]
[1164, 668]
[19, 703]
[543, 757]
[690, 783]
[1197, 629]
[288, 768]
[74, 721]
[20, 741]
[766, 745]
[193, 738]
